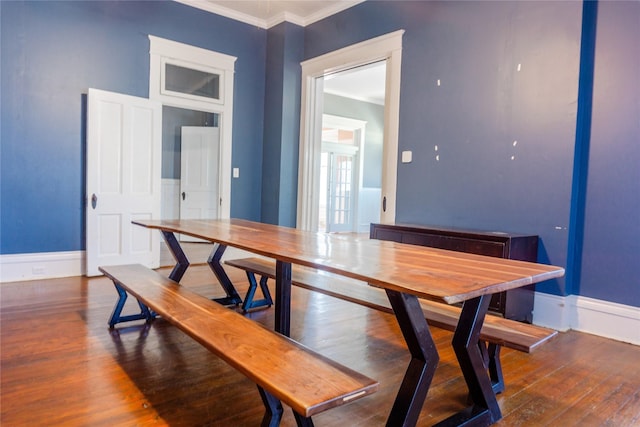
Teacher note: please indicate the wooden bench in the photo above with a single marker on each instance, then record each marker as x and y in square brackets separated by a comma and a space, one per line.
[284, 370]
[497, 332]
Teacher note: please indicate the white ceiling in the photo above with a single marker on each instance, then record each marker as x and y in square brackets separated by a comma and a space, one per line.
[364, 83]
[267, 13]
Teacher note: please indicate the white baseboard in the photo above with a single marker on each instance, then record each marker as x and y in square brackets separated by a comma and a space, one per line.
[20, 267]
[607, 319]
[551, 311]
[616, 321]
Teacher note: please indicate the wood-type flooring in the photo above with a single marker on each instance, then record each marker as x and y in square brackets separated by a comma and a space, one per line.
[60, 365]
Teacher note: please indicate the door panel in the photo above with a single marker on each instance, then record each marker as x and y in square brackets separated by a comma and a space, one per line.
[123, 179]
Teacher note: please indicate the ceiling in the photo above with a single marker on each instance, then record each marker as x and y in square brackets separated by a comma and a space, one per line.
[267, 13]
[365, 83]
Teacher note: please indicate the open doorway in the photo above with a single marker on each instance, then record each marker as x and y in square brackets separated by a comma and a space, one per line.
[329, 88]
[190, 164]
[195, 87]
[341, 176]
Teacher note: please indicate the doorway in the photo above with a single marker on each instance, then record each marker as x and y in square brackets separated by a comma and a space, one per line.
[190, 163]
[195, 87]
[318, 73]
[341, 172]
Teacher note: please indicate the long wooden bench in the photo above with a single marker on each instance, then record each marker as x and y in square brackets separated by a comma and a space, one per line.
[496, 331]
[284, 371]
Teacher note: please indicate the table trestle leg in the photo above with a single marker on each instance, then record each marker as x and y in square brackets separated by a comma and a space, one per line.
[116, 315]
[249, 303]
[484, 410]
[182, 263]
[415, 385]
[283, 298]
[232, 297]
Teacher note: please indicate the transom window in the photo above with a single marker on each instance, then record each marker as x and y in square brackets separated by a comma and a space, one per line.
[193, 82]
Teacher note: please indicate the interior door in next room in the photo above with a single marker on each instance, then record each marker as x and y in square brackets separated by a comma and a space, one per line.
[199, 174]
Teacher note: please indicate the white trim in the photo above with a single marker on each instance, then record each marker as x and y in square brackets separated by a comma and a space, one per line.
[199, 67]
[38, 266]
[551, 311]
[387, 48]
[170, 198]
[273, 20]
[162, 49]
[225, 11]
[603, 318]
[332, 9]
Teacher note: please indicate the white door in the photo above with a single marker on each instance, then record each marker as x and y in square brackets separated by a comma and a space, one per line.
[338, 188]
[341, 193]
[124, 149]
[199, 170]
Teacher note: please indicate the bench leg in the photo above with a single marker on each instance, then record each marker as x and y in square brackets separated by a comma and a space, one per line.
[249, 303]
[273, 409]
[495, 368]
[232, 297]
[116, 315]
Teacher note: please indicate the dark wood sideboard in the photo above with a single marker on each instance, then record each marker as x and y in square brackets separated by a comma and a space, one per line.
[516, 304]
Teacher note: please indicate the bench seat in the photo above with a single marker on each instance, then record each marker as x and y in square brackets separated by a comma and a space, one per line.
[289, 372]
[497, 331]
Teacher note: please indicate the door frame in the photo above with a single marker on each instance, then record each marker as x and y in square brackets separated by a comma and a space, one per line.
[386, 47]
[164, 51]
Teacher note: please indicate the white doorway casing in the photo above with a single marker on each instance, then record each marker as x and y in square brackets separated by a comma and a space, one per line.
[164, 51]
[384, 48]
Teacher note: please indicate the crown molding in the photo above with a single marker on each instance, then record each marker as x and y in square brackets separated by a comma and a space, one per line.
[272, 20]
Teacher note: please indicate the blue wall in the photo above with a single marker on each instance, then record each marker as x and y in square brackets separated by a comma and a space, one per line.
[482, 179]
[482, 106]
[282, 124]
[52, 52]
[611, 244]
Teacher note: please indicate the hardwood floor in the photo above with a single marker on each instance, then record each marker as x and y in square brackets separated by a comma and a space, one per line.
[61, 365]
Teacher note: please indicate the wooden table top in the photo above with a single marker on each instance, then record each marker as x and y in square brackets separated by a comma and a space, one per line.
[429, 273]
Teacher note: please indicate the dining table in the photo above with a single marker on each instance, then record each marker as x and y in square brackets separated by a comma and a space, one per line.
[406, 272]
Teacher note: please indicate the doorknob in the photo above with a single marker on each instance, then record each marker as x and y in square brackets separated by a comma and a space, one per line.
[183, 195]
[94, 200]
[384, 204]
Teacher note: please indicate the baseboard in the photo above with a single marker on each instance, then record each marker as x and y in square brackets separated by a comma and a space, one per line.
[551, 311]
[38, 266]
[603, 318]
